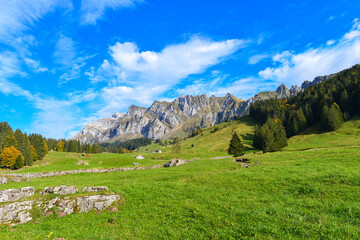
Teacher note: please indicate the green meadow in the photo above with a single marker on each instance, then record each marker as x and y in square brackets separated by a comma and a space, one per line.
[309, 190]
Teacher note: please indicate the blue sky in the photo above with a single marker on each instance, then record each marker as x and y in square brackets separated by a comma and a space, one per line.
[66, 63]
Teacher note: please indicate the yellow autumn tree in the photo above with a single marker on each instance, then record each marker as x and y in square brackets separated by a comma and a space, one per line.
[46, 147]
[9, 156]
[60, 147]
[33, 153]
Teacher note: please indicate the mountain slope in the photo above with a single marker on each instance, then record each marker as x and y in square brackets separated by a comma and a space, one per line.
[165, 120]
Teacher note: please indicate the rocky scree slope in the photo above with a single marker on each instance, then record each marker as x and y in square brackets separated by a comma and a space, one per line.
[165, 120]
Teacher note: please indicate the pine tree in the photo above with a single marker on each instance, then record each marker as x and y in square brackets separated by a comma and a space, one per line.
[236, 148]
[9, 141]
[88, 148]
[24, 146]
[332, 117]
[19, 162]
[176, 146]
[28, 159]
[5, 130]
[39, 144]
[257, 140]
[271, 136]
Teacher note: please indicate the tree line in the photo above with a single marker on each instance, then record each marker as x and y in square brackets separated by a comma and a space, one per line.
[18, 149]
[328, 103]
[76, 146]
[127, 146]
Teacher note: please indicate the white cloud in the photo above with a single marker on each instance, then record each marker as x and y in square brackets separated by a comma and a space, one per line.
[173, 63]
[35, 65]
[121, 97]
[53, 118]
[222, 84]
[257, 58]
[92, 10]
[65, 51]
[331, 18]
[58, 118]
[17, 16]
[355, 31]
[294, 68]
[69, 60]
[142, 76]
[330, 42]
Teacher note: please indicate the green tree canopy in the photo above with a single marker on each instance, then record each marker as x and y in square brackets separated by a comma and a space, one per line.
[236, 148]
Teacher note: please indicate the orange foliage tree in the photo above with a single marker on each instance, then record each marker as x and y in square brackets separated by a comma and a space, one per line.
[9, 156]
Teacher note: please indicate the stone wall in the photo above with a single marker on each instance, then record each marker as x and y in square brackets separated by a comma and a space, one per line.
[172, 163]
[21, 212]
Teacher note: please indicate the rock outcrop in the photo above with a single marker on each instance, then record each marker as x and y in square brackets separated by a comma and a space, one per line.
[95, 189]
[21, 212]
[80, 204]
[175, 163]
[18, 212]
[97, 202]
[62, 190]
[11, 195]
[3, 180]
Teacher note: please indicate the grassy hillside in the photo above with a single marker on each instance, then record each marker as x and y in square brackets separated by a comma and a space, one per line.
[63, 161]
[347, 136]
[298, 193]
[209, 143]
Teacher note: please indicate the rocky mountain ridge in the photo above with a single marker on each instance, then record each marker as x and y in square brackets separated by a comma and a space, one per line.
[165, 120]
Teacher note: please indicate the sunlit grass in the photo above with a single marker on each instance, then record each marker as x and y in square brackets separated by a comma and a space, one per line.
[310, 190]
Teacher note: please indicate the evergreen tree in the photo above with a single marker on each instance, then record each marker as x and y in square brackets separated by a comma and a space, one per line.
[27, 154]
[5, 130]
[257, 140]
[46, 146]
[19, 162]
[332, 117]
[9, 141]
[193, 133]
[39, 144]
[88, 148]
[176, 146]
[236, 148]
[24, 146]
[96, 148]
[271, 136]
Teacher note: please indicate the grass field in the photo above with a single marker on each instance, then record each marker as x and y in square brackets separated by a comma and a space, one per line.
[310, 190]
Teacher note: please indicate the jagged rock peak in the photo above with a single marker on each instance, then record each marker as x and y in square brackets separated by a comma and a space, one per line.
[135, 110]
[316, 80]
[282, 88]
[229, 95]
[117, 115]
